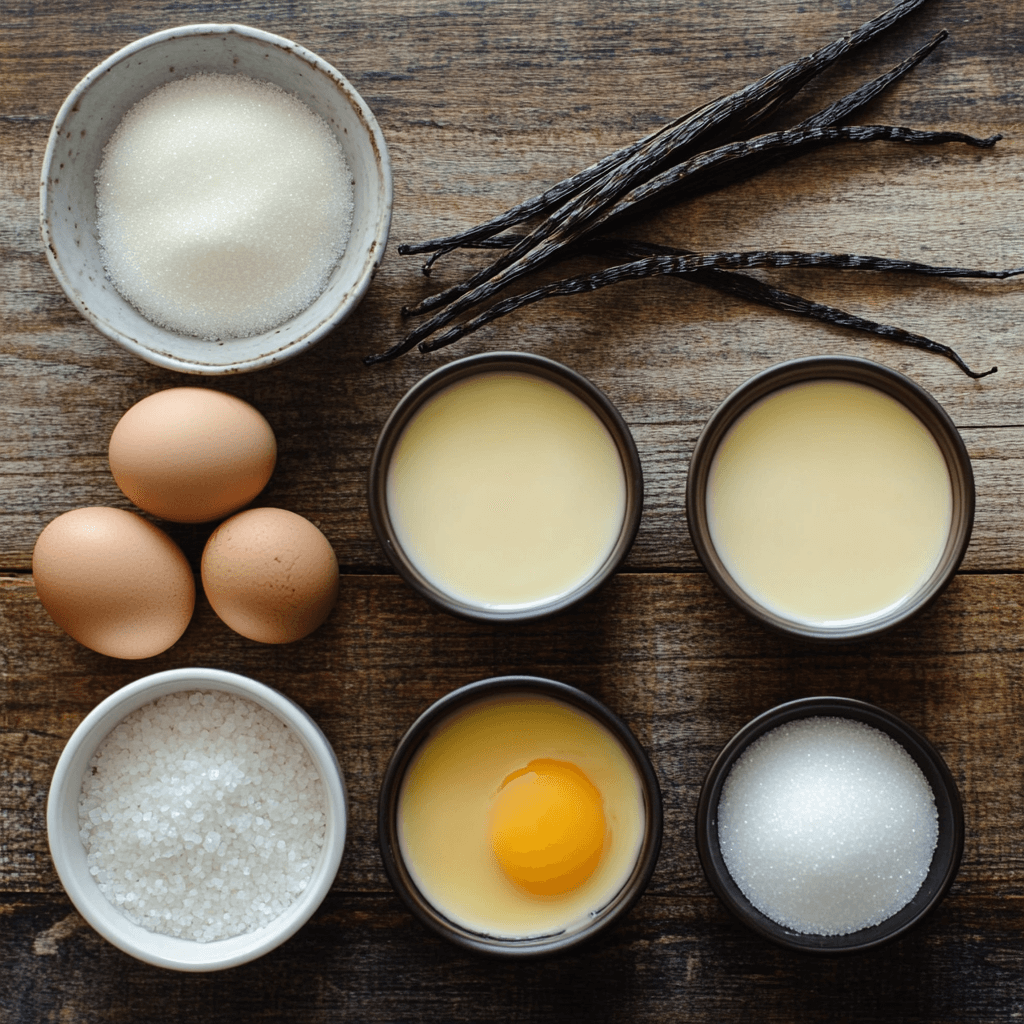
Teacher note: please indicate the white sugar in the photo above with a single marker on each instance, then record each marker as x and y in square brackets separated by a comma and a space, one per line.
[827, 825]
[223, 206]
[202, 815]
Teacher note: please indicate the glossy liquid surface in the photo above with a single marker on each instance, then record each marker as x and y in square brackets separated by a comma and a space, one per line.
[829, 502]
[449, 792]
[506, 490]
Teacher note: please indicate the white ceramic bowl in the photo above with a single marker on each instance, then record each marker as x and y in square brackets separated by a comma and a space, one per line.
[93, 111]
[69, 855]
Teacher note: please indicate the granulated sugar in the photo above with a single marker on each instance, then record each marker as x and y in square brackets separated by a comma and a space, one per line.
[202, 815]
[827, 825]
[224, 204]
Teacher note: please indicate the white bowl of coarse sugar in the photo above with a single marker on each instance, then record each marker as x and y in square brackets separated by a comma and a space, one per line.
[196, 818]
[215, 198]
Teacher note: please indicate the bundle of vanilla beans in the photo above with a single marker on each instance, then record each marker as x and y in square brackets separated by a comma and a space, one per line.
[705, 150]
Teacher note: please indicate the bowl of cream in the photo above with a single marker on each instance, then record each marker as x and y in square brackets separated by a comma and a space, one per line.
[505, 487]
[831, 498]
[519, 817]
[215, 198]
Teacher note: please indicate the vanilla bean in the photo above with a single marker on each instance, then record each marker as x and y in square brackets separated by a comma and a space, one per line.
[742, 286]
[542, 203]
[714, 169]
[699, 263]
[756, 291]
[550, 200]
[729, 114]
[701, 168]
[670, 160]
[835, 113]
[851, 104]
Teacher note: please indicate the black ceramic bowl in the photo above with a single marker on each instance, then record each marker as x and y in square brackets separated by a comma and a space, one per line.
[889, 382]
[945, 861]
[433, 918]
[490, 362]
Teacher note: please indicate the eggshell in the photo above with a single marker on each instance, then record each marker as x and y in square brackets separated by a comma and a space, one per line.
[116, 583]
[270, 575]
[192, 455]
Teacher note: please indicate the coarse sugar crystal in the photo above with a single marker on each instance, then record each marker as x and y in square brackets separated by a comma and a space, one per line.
[827, 825]
[202, 816]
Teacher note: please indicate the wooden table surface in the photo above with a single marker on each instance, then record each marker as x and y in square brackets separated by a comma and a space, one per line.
[484, 104]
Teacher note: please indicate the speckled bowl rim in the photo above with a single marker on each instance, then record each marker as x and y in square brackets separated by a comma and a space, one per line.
[491, 362]
[890, 382]
[945, 861]
[69, 857]
[387, 823]
[281, 342]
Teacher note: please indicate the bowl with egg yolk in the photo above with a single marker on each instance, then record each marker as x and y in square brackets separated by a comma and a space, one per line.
[519, 817]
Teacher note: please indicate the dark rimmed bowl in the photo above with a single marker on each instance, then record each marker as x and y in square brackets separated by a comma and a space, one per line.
[945, 861]
[889, 382]
[387, 816]
[489, 362]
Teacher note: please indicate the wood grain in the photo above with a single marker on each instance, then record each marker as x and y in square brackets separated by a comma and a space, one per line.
[670, 960]
[483, 105]
[665, 651]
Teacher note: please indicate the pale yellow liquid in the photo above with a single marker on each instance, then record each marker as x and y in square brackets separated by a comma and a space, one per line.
[829, 502]
[445, 801]
[506, 490]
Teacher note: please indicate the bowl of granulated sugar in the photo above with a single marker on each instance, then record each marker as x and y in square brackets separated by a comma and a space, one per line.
[215, 198]
[197, 819]
[828, 825]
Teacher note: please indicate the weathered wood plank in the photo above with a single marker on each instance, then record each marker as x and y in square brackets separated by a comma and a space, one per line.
[483, 105]
[670, 959]
[57, 461]
[642, 56]
[663, 650]
[665, 352]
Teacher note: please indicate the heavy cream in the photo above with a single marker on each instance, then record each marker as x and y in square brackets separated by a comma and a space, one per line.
[505, 490]
[829, 502]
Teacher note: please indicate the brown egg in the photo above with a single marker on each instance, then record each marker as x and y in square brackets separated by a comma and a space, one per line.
[192, 455]
[270, 575]
[116, 583]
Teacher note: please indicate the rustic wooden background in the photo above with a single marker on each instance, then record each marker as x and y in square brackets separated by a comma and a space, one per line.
[483, 104]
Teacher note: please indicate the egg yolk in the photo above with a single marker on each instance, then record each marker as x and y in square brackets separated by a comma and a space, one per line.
[548, 827]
